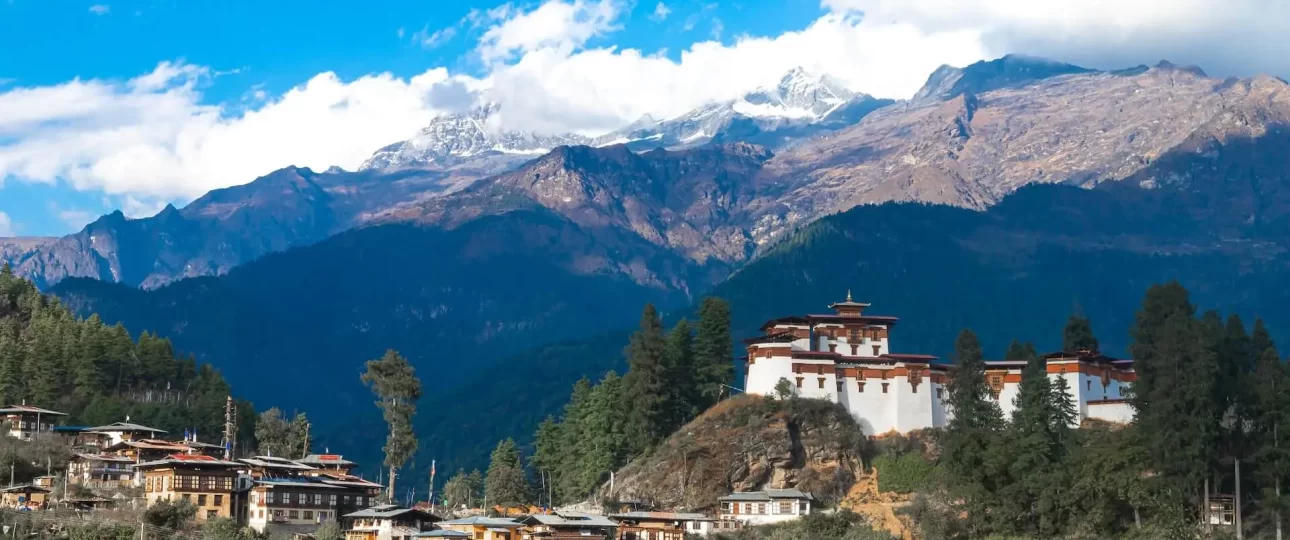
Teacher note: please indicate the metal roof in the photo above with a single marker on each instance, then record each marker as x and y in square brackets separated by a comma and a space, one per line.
[390, 511]
[442, 534]
[482, 521]
[570, 519]
[12, 409]
[125, 427]
[660, 516]
[24, 488]
[188, 459]
[334, 460]
[766, 495]
[103, 457]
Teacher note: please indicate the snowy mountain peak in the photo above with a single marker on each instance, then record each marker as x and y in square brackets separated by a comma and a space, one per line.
[799, 94]
[453, 139]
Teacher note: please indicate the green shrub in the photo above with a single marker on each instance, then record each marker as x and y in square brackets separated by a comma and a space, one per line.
[904, 473]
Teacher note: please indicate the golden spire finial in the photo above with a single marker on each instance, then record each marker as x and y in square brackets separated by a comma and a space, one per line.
[848, 295]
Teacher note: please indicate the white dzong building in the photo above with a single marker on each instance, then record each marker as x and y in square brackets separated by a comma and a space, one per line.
[846, 357]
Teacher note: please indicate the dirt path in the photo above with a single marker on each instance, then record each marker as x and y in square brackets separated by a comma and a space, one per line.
[878, 508]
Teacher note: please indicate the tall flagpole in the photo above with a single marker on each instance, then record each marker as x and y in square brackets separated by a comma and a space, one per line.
[431, 492]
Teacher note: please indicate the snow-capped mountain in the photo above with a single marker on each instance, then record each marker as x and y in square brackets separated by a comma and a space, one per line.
[456, 139]
[795, 107]
[802, 104]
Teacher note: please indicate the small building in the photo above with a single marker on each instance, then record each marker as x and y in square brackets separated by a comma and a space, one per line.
[387, 522]
[85, 504]
[287, 506]
[483, 528]
[25, 421]
[764, 507]
[206, 482]
[661, 525]
[45, 481]
[24, 496]
[328, 462]
[100, 471]
[146, 449]
[116, 432]
[560, 525]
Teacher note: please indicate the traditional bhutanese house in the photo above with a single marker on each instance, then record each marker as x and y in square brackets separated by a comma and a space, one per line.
[146, 449]
[845, 357]
[660, 525]
[123, 431]
[763, 507]
[296, 505]
[387, 522]
[328, 462]
[484, 528]
[197, 447]
[567, 525]
[358, 493]
[204, 481]
[100, 471]
[25, 421]
[1098, 384]
[77, 436]
[24, 496]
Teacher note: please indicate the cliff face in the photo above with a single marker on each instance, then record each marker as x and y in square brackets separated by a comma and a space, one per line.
[748, 443]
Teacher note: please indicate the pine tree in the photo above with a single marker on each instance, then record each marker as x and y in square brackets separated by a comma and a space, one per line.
[604, 435]
[273, 434]
[1173, 395]
[713, 349]
[1271, 413]
[547, 458]
[458, 492]
[506, 482]
[682, 390]
[645, 385]
[11, 360]
[1018, 351]
[972, 434]
[395, 383]
[1078, 334]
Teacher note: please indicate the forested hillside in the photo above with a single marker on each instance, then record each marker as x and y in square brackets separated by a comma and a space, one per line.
[98, 374]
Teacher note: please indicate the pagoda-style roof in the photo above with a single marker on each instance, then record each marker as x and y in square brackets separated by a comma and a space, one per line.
[849, 304]
[811, 320]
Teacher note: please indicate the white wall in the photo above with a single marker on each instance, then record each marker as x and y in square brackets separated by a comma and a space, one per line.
[1120, 412]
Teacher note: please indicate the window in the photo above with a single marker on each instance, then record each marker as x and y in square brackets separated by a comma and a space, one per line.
[268, 497]
[1088, 384]
[821, 382]
[292, 514]
[201, 500]
[839, 386]
[187, 497]
[333, 499]
[940, 392]
[286, 498]
[799, 382]
[786, 507]
[318, 499]
[761, 508]
[877, 350]
[344, 500]
[861, 385]
[308, 514]
[212, 514]
[219, 500]
[884, 387]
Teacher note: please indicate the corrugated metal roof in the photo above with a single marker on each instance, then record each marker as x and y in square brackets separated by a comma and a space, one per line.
[661, 516]
[570, 519]
[124, 426]
[482, 521]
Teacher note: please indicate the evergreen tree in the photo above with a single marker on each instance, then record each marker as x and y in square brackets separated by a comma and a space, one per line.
[972, 434]
[273, 434]
[645, 385]
[604, 438]
[1270, 410]
[547, 458]
[11, 378]
[682, 391]
[395, 383]
[1038, 449]
[458, 491]
[713, 350]
[506, 482]
[1078, 334]
[1018, 351]
[1173, 395]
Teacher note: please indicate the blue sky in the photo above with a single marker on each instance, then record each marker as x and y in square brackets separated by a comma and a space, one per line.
[132, 104]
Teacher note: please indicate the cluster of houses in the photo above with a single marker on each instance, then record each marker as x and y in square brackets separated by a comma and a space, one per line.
[280, 496]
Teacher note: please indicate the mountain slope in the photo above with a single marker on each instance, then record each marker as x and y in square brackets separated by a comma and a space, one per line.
[450, 300]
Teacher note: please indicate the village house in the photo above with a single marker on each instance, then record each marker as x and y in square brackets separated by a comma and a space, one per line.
[25, 421]
[561, 525]
[100, 471]
[140, 450]
[24, 496]
[845, 357]
[480, 528]
[765, 507]
[204, 481]
[116, 432]
[287, 506]
[387, 522]
[661, 525]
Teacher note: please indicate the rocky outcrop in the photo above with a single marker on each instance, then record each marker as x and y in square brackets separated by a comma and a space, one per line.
[748, 443]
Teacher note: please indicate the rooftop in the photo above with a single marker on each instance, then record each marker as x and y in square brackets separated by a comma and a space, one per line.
[24, 488]
[570, 519]
[19, 409]
[126, 427]
[660, 516]
[442, 534]
[386, 511]
[103, 457]
[272, 462]
[195, 460]
[326, 460]
[482, 521]
[767, 495]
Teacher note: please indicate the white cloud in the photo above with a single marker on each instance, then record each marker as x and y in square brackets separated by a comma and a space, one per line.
[661, 12]
[100, 9]
[75, 219]
[431, 40]
[155, 137]
[555, 26]
[6, 226]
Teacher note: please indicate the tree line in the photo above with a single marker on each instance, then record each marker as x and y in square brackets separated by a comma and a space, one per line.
[1210, 406]
[672, 376]
[97, 373]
